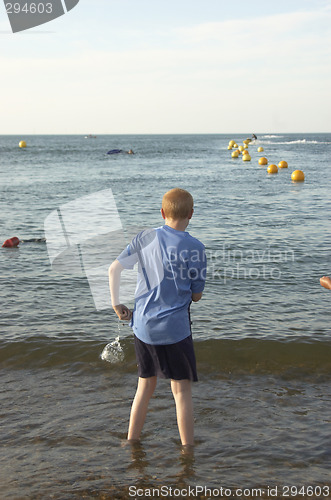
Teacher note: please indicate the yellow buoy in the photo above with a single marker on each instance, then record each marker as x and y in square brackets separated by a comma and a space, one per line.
[229, 147]
[298, 176]
[22, 144]
[263, 161]
[245, 152]
[241, 148]
[247, 141]
[246, 157]
[272, 169]
[260, 149]
[282, 164]
[235, 154]
[231, 143]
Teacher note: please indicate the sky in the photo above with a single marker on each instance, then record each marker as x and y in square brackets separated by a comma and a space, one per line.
[166, 66]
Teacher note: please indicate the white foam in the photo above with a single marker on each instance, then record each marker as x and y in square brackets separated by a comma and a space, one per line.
[271, 136]
[298, 141]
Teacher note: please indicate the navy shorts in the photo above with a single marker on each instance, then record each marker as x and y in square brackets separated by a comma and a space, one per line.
[175, 361]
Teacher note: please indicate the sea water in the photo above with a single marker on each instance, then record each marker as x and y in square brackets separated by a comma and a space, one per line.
[261, 331]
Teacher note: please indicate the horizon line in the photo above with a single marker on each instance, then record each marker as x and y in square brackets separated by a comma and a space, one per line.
[160, 133]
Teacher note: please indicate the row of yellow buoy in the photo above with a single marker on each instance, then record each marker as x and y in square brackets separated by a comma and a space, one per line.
[233, 144]
[296, 176]
[240, 149]
[281, 164]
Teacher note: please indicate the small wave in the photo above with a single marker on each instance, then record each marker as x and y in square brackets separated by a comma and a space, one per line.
[215, 357]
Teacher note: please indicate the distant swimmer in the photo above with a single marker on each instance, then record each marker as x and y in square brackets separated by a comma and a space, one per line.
[254, 137]
[34, 240]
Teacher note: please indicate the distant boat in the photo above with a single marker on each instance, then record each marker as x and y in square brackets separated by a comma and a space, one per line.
[118, 151]
[251, 139]
[115, 151]
[90, 136]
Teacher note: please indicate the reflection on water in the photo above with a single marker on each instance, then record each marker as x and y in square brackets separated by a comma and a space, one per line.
[183, 462]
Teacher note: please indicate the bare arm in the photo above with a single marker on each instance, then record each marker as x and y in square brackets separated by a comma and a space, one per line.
[121, 310]
[196, 296]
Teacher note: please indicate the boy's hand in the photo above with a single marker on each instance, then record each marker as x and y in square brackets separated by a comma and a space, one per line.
[123, 312]
[326, 282]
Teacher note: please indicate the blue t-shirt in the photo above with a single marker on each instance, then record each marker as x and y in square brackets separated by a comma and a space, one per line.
[171, 266]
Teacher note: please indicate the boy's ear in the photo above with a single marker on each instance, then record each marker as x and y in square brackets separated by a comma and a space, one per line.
[190, 216]
[162, 213]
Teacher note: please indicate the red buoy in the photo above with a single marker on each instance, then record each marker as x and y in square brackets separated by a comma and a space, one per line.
[12, 242]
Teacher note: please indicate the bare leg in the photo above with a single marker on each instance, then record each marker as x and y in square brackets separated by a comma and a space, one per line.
[182, 391]
[139, 407]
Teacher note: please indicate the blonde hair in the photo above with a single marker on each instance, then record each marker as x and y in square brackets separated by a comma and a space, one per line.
[177, 204]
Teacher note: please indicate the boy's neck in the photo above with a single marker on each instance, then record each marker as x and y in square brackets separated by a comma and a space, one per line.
[179, 225]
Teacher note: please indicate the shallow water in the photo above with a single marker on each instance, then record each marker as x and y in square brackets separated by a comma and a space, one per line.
[65, 434]
[262, 330]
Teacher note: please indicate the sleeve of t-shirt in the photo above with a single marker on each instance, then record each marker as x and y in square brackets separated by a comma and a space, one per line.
[129, 257]
[134, 252]
[198, 270]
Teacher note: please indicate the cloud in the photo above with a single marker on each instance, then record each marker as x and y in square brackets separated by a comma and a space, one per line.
[277, 25]
[269, 36]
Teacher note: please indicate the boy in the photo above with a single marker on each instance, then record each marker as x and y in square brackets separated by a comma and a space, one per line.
[171, 274]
